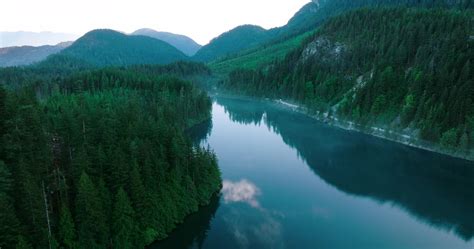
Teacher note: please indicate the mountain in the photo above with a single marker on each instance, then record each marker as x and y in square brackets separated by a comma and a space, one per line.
[185, 44]
[21, 38]
[308, 18]
[25, 55]
[317, 12]
[108, 47]
[257, 57]
[232, 41]
[406, 71]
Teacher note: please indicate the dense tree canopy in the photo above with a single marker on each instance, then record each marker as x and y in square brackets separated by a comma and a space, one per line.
[111, 48]
[402, 68]
[99, 158]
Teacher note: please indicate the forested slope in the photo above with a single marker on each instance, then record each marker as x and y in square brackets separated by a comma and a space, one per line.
[99, 159]
[233, 41]
[111, 48]
[318, 11]
[257, 57]
[309, 17]
[402, 69]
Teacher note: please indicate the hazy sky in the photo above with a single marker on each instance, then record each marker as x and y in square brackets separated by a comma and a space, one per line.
[202, 20]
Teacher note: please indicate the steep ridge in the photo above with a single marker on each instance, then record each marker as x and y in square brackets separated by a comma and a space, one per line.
[308, 18]
[185, 44]
[404, 73]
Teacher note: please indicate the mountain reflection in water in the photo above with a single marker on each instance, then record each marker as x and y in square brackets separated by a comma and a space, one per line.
[293, 182]
[435, 188]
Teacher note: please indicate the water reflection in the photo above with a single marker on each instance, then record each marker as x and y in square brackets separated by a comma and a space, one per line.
[241, 191]
[242, 113]
[435, 189]
[258, 228]
[200, 131]
[193, 232]
[261, 229]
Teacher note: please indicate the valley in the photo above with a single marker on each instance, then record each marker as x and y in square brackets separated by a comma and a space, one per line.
[352, 125]
[346, 189]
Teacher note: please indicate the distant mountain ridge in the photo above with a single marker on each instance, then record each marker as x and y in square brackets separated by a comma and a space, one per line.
[26, 55]
[25, 38]
[183, 43]
[308, 18]
[105, 47]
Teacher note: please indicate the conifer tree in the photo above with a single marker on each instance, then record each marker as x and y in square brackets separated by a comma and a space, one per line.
[23, 243]
[91, 228]
[67, 230]
[124, 229]
[9, 225]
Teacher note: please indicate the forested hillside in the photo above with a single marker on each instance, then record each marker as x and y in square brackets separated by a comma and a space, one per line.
[112, 48]
[402, 69]
[99, 159]
[318, 11]
[231, 42]
[308, 18]
[257, 57]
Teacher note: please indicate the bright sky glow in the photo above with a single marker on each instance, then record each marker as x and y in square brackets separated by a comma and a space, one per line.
[201, 20]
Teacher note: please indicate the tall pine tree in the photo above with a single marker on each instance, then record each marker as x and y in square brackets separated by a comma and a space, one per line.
[91, 220]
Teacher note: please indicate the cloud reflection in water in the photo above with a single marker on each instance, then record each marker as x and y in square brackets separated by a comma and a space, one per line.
[241, 191]
[260, 227]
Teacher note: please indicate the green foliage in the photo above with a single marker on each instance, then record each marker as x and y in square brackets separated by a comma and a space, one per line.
[403, 68]
[98, 132]
[10, 226]
[92, 227]
[67, 230]
[125, 233]
[23, 243]
[259, 56]
[111, 48]
[449, 139]
[233, 41]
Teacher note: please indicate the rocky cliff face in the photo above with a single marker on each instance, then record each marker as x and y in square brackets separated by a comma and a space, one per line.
[324, 50]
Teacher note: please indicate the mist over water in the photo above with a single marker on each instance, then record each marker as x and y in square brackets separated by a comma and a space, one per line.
[292, 182]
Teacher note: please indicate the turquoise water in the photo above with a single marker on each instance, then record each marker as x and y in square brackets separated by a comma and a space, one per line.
[292, 182]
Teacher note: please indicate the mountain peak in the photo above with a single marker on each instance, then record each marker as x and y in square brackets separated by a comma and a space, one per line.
[104, 47]
[185, 44]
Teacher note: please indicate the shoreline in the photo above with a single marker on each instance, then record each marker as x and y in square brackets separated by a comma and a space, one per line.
[378, 132]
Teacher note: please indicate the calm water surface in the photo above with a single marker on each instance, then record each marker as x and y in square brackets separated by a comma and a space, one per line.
[292, 182]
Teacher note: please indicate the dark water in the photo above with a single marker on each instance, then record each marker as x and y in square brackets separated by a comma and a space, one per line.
[292, 182]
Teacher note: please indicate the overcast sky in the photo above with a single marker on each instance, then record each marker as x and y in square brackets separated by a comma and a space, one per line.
[202, 20]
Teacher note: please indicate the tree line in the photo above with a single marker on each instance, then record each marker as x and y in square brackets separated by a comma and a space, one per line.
[99, 158]
[403, 68]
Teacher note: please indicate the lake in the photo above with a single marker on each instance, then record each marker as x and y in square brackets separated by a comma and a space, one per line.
[290, 181]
